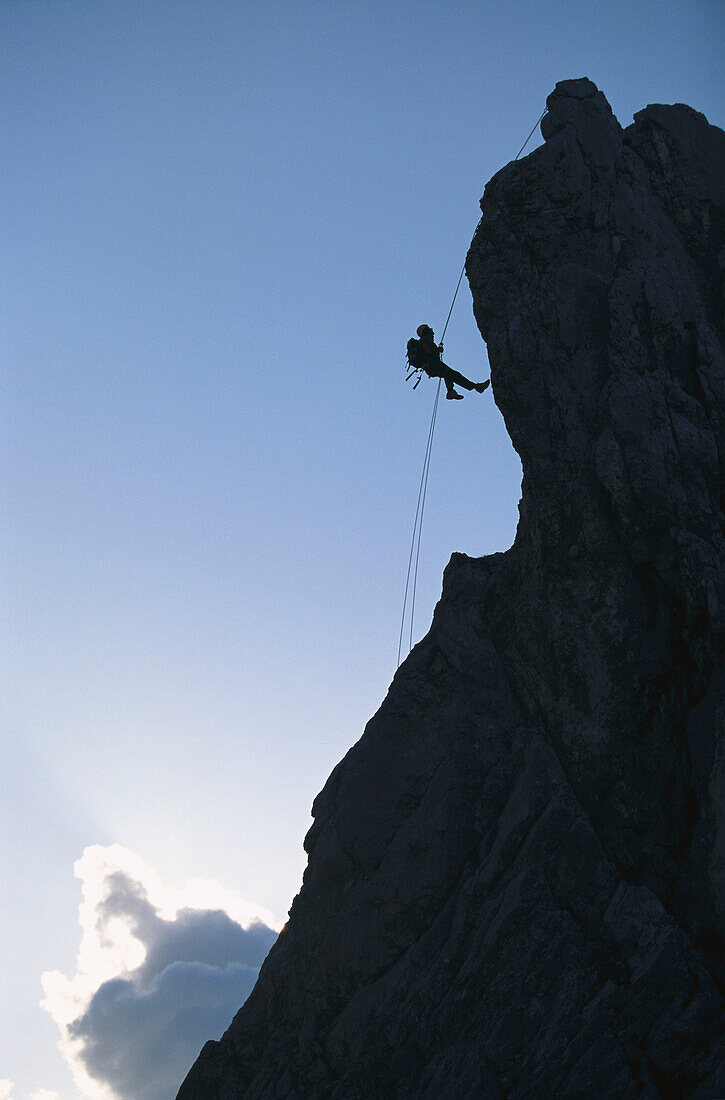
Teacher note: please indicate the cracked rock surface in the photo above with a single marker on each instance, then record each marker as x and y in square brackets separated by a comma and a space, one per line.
[516, 877]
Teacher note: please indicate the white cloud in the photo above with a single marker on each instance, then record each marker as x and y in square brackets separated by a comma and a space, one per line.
[6, 1088]
[159, 972]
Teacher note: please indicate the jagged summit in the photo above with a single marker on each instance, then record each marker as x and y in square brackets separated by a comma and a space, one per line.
[516, 877]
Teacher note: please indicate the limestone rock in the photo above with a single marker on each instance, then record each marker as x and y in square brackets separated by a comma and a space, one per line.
[516, 877]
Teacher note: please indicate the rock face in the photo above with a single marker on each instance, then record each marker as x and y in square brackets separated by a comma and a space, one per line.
[516, 877]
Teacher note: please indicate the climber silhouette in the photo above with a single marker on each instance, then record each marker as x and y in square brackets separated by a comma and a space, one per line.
[424, 354]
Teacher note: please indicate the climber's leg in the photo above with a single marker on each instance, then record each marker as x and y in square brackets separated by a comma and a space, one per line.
[450, 376]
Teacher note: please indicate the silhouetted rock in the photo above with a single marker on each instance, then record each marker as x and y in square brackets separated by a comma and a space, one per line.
[516, 876]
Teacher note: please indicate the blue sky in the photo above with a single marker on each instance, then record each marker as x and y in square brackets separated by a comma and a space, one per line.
[222, 221]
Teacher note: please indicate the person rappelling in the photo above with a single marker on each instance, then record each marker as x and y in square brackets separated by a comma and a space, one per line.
[425, 355]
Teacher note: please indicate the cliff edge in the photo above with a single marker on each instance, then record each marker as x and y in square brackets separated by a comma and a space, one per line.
[516, 878]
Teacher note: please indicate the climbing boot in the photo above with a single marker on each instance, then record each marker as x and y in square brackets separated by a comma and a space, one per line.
[453, 396]
[479, 387]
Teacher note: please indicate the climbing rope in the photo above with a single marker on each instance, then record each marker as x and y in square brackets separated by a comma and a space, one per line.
[531, 131]
[417, 529]
[423, 487]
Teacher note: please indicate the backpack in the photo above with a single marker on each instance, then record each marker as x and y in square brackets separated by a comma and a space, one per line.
[415, 360]
[415, 354]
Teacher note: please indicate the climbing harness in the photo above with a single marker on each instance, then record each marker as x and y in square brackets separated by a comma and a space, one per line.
[423, 487]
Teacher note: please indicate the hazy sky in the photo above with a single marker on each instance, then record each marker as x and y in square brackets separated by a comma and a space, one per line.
[220, 223]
